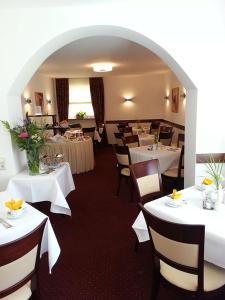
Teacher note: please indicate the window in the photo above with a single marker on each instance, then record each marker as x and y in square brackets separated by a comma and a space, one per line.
[79, 97]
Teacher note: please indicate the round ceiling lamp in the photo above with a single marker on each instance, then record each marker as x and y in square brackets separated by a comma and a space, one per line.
[102, 67]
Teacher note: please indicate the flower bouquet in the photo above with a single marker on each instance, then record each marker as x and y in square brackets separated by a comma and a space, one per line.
[29, 137]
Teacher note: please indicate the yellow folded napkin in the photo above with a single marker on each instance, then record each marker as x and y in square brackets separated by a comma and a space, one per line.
[175, 195]
[13, 204]
[207, 181]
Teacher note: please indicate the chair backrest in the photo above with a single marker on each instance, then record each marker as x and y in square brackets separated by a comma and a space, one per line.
[122, 125]
[180, 140]
[147, 180]
[19, 260]
[127, 131]
[181, 163]
[166, 128]
[101, 127]
[131, 141]
[180, 246]
[122, 155]
[154, 127]
[119, 138]
[166, 138]
[89, 131]
[75, 125]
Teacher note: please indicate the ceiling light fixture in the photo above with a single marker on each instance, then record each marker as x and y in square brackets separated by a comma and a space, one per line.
[102, 67]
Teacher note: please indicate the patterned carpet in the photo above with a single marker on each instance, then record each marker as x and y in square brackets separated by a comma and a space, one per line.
[97, 260]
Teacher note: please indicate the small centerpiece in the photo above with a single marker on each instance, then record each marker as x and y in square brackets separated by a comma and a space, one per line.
[156, 141]
[14, 207]
[81, 115]
[29, 137]
[215, 171]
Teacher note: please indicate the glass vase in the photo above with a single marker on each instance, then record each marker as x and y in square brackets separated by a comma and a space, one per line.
[33, 161]
[219, 198]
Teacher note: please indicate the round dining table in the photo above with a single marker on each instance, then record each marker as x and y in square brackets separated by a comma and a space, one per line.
[78, 152]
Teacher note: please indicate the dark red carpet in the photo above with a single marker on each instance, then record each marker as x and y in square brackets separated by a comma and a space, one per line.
[97, 259]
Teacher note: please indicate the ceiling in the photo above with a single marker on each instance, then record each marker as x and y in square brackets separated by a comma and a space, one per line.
[128, 58]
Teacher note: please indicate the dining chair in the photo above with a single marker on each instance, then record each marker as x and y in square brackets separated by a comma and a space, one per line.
[121, 126]
[89, 131]
[123, 162]
[119, 138]
[19, 263]
[173, 178]
[131, 141]
[180, 140]
[165, 128]
[166, 138]
[147, 180]
[127, 131]
[154, 128]
[178, 259]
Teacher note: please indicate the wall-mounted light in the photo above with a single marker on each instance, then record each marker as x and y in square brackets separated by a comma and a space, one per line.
[166, 98]
[27, 101]
[49, 101]
[183, 95]
[128, 99]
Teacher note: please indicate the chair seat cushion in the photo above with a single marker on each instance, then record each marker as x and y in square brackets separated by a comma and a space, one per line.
[24, 293]
[173, 172]
[125, 171]
[214, 277]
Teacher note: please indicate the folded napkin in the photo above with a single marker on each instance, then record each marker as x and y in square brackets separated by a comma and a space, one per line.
[175, 195]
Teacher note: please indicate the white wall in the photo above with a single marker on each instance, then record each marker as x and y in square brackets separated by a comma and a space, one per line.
[191, 43]
[43, 84]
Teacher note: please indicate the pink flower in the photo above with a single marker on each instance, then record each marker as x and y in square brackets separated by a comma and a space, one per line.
[23, 134]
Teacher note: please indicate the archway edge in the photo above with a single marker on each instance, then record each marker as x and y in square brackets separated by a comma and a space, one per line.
[72, 35]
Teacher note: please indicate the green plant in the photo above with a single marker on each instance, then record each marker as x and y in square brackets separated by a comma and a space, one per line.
[156, 137]
[215, 171]
[81, 114]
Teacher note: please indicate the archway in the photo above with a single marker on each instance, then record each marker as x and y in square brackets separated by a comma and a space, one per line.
[101, 30]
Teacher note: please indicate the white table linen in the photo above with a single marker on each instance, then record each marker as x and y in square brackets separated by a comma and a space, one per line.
[168, 157]
[146, 139]
[190, 213]
[145, 129]
[53, 187]
[28, 221]
[79, 154]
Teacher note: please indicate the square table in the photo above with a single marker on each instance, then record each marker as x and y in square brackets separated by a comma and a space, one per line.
[190, 212]
[28, 221]
[168, 156]
[53, 187]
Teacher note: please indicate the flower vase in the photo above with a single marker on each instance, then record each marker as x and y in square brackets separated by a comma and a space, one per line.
[219, 198]
[33, 161]
[155, 146]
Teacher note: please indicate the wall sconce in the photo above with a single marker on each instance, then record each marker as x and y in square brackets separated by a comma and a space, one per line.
[27, 101]
[128, 99]
[183, 95]
[166, 97]
[49, 101]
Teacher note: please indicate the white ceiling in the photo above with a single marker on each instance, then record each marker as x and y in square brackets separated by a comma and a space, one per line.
[75, 59]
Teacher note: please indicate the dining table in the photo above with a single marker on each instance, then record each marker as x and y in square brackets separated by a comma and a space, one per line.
[168, 156]
[78, 152]
[53, 187]
[189, 211]
[24, 224]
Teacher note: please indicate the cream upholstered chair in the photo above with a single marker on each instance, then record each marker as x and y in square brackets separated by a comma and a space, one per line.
[131, 141]
[166, 138]
[165, 128]
[147, 180]
[173, 178]
[19, 262]
[89, 131]
[119, 138]
[154, 128]
[178, 258]
[127, 131]
[123, 162]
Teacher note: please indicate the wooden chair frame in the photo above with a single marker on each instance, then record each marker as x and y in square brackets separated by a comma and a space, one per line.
[180, 138]
[12, 251]
[166, 135]
[131, 139]
[183, 233]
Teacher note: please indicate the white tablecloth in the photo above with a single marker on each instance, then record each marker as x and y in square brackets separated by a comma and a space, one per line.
[53, 187]
[30, 219]
[168, 157]
[146, 139]
[97, 137]
[190, 213]
[145, 129]
[79, 154]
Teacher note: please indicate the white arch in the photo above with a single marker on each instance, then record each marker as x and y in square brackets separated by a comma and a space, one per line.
[102, 30]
